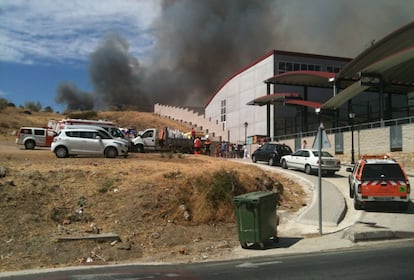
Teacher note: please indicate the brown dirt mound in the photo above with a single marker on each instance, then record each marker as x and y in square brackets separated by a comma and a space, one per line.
[163, 207]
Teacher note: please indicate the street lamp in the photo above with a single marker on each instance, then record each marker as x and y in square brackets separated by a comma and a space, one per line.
[245, 132]
[351, 120]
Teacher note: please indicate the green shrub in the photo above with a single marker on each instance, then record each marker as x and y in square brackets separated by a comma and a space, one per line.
[223, 187]
[107, 185]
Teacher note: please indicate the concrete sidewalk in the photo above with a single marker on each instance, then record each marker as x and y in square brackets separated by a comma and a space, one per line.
[299, 232]
[335, 220]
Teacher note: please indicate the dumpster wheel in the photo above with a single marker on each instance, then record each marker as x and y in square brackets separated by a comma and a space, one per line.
[275, 239]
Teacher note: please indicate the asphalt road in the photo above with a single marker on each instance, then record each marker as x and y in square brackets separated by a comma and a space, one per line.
[390, 260]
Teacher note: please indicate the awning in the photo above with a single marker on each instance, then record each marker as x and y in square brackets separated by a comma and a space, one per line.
[303, 78]
[306, 103]
[382, 68]
[275, 98]
[344, 96]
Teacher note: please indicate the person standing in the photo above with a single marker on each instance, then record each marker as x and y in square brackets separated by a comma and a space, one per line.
[207, 144]
[245, 152]
[223, 149]
[197, 146]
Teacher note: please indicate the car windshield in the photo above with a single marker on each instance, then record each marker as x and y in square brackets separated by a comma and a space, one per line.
[323, 153]
[375, 171]
[117, 133]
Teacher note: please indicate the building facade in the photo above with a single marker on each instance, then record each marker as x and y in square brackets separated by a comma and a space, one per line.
[228, 105]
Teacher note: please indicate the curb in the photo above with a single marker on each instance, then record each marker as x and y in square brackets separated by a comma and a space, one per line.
[360, 233]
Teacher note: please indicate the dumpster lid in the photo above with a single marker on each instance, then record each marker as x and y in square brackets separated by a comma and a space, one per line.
[253, 196]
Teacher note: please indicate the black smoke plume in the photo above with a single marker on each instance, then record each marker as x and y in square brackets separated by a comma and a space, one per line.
[116, 75]
[200, 44]
[68, 93]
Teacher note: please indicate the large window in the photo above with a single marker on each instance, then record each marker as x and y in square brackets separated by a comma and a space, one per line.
[333, 69]
[284, 67]
[223, 111]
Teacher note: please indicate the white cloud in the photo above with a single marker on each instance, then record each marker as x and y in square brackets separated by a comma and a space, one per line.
[61, 30]
[2, 94]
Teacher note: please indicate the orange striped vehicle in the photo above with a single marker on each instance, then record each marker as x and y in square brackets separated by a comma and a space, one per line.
[378, 178]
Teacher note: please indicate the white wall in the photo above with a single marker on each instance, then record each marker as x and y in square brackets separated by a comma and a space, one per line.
[239, 90]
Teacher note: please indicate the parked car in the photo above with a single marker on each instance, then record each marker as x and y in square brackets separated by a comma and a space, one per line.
[271, 153]
[378, 179]
[308, 161]
[31, 137]
[86, 141]
[103, 130]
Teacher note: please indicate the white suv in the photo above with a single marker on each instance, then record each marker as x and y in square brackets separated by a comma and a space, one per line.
[31, 137]
[85, 141]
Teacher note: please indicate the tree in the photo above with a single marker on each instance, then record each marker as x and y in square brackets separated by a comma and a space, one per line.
[48, 109]
[3, 103]
[32, 106]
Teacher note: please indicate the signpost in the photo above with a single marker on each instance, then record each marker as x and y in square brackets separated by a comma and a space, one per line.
[321, 141]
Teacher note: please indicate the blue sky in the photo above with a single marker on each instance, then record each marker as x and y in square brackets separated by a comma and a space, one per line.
[46, 42]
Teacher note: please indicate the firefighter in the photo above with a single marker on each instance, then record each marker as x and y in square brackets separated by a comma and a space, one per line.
[197, 146]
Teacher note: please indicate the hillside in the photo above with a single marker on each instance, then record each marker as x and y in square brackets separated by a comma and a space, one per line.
[163, 207]
[12, 118]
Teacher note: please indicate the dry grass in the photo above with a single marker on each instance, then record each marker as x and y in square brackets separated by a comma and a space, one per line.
[12, 118]
[142, 198]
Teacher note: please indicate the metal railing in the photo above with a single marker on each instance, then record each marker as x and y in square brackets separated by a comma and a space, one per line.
[360, 126]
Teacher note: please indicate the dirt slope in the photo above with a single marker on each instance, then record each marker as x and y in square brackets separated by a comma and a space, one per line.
[163, 207]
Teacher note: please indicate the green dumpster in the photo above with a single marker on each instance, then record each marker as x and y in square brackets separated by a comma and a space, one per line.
[256, 218]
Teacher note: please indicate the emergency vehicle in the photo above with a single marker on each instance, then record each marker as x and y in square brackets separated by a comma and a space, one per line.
[378, 178]
[107, 125]
[32, 137]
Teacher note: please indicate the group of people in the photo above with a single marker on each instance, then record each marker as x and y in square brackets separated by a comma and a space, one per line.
[228, 150]
[198, 146]
[223, 149]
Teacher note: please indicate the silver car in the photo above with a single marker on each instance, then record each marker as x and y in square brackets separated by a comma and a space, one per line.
[308, 161]
[84, 141]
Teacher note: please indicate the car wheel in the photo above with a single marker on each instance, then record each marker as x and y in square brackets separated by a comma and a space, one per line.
[111, 152]
[284, 164]
[271, 161]
[308, 169]
[61, 152]
[29, 144]
[140, 148]
[254, 159]
[357, 204]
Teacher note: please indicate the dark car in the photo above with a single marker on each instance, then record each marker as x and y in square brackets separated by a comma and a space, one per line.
[271, 153]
